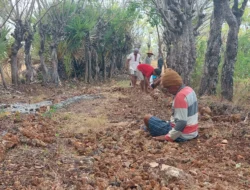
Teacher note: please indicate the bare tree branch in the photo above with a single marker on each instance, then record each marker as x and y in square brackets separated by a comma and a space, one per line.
[201, 16]
[45, 13]
[178, 12]
[165, 18]
[30, 11]
[243, 7]
[17, 9]
[8, 15]
[7, 18]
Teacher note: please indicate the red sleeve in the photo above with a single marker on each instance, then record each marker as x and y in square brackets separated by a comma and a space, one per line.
[180, 101]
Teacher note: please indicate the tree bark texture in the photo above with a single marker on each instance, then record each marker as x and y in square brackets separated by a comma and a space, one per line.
[97, 68]
[233, 18]
[104, 73]
[28, 38]
[90, 78]
[179, 37]
[160, 54]
[182, 54]
[86, 67]
[18, 36]
[209, 79]
[54, 60]
[3, 79]
[42, 30]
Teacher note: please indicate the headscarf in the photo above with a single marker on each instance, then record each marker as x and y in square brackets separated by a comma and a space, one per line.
[171, 78]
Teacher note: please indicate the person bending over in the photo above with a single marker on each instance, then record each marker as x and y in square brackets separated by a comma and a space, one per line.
[144, 72]
[183, 124]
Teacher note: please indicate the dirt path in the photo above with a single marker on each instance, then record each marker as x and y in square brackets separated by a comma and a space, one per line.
[98, 144]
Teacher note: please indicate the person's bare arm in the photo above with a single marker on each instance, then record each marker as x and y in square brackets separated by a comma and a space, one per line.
[156, 83]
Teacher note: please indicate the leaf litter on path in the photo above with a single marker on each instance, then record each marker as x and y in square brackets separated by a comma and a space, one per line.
[43, 153]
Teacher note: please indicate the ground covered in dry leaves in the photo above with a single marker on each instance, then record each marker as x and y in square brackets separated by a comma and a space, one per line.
[98, 144]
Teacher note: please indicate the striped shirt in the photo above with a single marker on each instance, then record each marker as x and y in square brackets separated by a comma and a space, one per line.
[184, 120]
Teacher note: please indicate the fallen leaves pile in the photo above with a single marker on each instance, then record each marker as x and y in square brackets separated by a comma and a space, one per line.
[35, 154]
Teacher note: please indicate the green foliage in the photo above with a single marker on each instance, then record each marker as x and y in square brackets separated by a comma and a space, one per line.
[120, 21]
[3, 42]
[80, 24]
[242, 66]
[107, 26]
[153, 17]
[200, 60]
[50, 113]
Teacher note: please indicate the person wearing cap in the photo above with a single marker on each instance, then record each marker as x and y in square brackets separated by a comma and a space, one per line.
[144, 72]
[133, 61]
[183, 124]
[148, 58]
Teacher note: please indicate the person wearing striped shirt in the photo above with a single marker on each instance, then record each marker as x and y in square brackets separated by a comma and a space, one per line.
[183, 124]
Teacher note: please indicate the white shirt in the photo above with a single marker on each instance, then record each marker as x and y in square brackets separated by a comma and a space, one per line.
[133, 63]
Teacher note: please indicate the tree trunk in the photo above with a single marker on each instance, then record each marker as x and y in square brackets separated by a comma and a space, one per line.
[212, 59]
[112, 65]
[179, 35]
[55, 75]
[3, 79]
[28, 41]
[104, 68]
[14, 66]
[29, 69]
[119, 62]
[97, 69]
[233, 18]
[61, 69]
[90, 79]
[41, 53]
[182, 53]
[86, 66]
[44, 68]
[14, 69]
[29, 73]
[160, 54]
[18, 36]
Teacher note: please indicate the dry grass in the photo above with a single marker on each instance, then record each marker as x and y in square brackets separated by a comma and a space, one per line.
[122, 83]
[85, 116]
[38, 98]
[241, 92]
[81, 122]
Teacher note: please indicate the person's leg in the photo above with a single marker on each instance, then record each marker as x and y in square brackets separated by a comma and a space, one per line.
[146, 84]
[135, 79]
[142, 85]
[131, 80]
[140, 78]
[132, 77]
[156, 126]
[131, 73]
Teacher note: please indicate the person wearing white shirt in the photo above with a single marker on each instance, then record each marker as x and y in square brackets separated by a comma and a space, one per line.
[133, 61]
